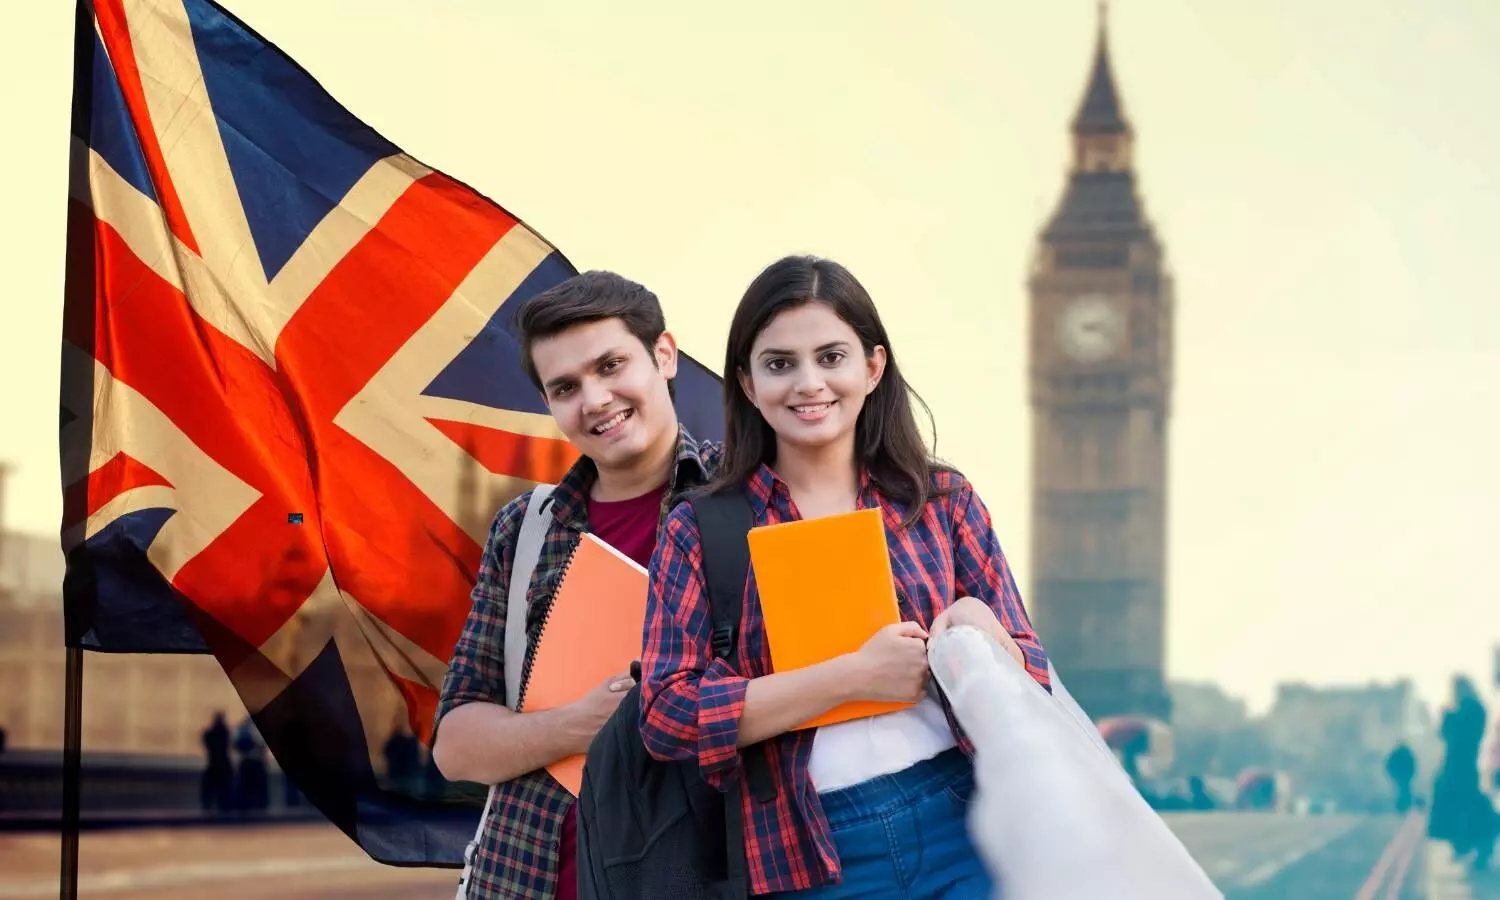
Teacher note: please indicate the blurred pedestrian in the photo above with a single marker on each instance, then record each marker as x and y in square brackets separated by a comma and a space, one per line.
[1462, 814]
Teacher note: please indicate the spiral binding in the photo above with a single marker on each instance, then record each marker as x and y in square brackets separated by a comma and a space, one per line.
[535, 643]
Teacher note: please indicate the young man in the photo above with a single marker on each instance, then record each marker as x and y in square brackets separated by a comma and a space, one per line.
[597, 348]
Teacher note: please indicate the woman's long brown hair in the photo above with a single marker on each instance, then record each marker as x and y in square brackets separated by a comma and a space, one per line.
[887, 443]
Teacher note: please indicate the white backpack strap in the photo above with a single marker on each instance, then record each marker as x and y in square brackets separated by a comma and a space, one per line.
[523, 564]
[528, 551]
[473, 847]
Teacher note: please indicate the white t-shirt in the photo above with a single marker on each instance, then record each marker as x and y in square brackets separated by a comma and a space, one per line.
[851, 752]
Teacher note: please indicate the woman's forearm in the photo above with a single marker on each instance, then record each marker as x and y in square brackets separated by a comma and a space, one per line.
[777, 703]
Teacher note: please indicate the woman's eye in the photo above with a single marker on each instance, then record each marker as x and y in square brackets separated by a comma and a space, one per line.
[777, 365]
[833, 357]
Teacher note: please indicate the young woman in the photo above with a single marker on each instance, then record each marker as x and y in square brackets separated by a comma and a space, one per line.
[820, 422]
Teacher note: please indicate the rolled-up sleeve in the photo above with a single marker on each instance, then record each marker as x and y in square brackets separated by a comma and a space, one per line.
[691, 702]
[983, 573]
[476, 671]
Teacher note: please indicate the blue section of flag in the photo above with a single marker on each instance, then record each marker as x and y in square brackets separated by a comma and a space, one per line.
[294, 151]
[488, 371]
[132, 532]
[118, 600]
[700, 399]
[110, 133]
[414, 824]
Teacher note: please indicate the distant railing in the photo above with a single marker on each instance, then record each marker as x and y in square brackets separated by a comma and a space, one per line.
[114, 784]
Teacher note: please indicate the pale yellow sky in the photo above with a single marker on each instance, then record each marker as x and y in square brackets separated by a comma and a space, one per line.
[1323, 176]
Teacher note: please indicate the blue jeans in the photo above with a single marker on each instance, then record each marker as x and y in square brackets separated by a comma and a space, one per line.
[905, 836]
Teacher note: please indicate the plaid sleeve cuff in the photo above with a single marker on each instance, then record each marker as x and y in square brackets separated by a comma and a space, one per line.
[1036, 664]
[721, 701]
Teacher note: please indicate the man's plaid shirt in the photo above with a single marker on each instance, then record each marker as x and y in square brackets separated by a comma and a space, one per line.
[517, 855]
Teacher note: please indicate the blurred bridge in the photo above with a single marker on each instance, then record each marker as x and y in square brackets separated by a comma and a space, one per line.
[146, 836]
[1252, 856]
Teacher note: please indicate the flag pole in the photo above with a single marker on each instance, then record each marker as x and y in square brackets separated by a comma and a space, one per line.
[83, 80]
[72, 771]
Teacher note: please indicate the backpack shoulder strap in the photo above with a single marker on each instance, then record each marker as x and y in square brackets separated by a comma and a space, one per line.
[523, 564]
[724, 519]
[528, 550]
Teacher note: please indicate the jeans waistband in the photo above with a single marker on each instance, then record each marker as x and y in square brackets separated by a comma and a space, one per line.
[885, 793]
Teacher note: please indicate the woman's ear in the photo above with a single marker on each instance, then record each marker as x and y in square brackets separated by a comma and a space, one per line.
[747, 385]
[874, 369]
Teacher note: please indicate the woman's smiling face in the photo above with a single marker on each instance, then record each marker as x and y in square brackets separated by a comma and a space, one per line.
[809, 376]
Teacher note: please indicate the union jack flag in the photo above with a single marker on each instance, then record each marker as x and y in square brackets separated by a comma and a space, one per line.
[285, 344]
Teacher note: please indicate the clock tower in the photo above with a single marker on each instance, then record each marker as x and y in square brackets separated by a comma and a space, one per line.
[1100, 384]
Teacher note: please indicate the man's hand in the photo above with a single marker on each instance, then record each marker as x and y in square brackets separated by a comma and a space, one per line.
[587, 714]
[969, 611]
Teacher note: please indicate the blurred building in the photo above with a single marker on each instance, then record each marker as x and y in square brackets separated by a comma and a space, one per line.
[1333, 741]
[1374, 715]
[31, 567]
[147, 704]
[1205, 706]
[1214, 734]
[152, 704]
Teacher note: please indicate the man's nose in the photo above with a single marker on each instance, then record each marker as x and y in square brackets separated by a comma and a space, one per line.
[596, 396]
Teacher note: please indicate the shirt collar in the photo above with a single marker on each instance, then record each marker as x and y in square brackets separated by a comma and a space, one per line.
[765, 485]
[569, 500]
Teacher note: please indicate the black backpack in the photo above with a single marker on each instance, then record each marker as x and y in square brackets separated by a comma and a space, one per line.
[649, 830]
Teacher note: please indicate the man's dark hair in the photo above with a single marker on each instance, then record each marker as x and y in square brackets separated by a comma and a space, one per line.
[584, 298]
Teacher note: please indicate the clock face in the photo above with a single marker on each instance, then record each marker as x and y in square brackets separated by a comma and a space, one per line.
[1090, 328]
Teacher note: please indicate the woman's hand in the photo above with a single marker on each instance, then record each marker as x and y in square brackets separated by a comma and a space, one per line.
[969, 611]
[892, 665]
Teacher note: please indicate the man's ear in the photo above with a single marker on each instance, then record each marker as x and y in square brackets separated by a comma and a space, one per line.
[665, 352]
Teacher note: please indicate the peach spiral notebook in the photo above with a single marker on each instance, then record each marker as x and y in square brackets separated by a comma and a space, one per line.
[825, 588]
[592, 631]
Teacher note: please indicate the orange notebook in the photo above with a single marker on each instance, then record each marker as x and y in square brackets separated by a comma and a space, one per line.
[592, 631]
[825, 588]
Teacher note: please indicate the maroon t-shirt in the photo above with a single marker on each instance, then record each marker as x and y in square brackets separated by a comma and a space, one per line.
[630, 526]
[567, 860]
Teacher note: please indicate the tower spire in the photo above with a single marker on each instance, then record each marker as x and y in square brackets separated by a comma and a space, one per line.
[1101, 112]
